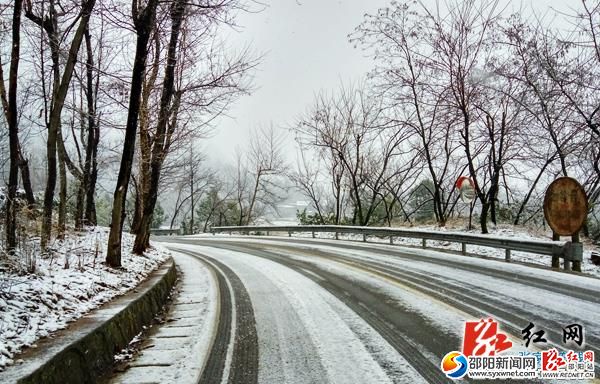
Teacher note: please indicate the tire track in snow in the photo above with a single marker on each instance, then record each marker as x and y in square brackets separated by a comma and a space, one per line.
[482, 302]
[417, 341]
[243, 357]
[286, 353]
[347, 349]
[412, 254]
[474, 301]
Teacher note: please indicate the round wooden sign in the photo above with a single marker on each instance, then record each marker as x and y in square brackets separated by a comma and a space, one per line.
[565, 206]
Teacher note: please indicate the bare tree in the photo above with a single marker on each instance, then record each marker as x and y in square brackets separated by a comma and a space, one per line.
[216, 207]
[397, 184]
[464, 47]
[550, 136]
[314, 131]
[85, 168]
[265, 163]
[143, 18]
[400, 39]
[90, 169]
[10, 112]
[360, 141]
[48, 21]
[241, 182]
[308, 180]
[177, 94]
[569, 61]
[194, 180]
[161, 138]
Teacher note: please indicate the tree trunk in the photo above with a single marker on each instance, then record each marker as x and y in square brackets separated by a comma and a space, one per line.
[136, 222]
[493, 203]
[50, 185]
[485, 207]
[90, 171]
[144, 24]
[26, 179]
[478, 191]
[493, 217]
[58, 99]
[160, 145]
[13, 129]
[90, 201]
[492, 195]
[441, 217]
[471, 209]
[79, 205]
[192, 197]
[145, 146]
[53, 39]
[338, 203]
[62, 195]
[241, 216]
[253, 199]
[531, 190]
[62, 172]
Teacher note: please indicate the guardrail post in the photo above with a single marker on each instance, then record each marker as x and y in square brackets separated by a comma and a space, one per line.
[336, 236]
[313, 234]
[463, 248]
[392, 240]
[364, 237]
[507, 255]
[424, 243]
[555, 257]
[572, 252]
[268, 233]
[577, 255]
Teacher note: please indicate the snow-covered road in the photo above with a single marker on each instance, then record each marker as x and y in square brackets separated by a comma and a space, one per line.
[304, 311]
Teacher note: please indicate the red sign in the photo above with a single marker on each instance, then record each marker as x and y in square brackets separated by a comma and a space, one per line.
[462, 179]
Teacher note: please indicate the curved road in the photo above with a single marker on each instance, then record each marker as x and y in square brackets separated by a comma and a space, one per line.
[310, 311]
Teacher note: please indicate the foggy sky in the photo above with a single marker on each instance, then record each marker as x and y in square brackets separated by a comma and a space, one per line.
[306, 50]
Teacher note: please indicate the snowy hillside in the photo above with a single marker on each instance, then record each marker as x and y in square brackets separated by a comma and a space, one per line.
[65, 286]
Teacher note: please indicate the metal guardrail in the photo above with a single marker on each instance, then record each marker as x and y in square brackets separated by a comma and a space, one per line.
[164, 232]
[568, 251]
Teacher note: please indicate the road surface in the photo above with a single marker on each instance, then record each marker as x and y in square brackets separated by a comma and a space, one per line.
[309, 311]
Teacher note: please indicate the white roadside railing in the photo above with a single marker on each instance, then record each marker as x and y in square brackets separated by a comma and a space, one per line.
[568, 251]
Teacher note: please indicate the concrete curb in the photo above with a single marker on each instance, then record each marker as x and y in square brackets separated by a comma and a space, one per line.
[83, 352]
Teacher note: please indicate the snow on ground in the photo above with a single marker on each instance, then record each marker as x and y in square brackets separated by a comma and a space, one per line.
[502, 231]
[188, 331]
[582, 280]
[289, 307]
[64, 287]
[444, 316]
[520, 295]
